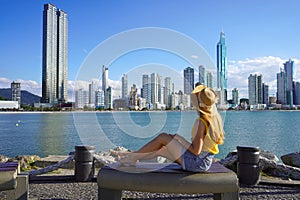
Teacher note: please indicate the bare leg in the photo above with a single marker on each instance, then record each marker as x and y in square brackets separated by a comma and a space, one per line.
[163, 145]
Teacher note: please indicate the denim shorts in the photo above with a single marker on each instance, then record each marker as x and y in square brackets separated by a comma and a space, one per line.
[200, 163]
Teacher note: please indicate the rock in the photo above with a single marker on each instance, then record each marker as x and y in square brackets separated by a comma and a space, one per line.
[120, 148]
[54, 159]
[3, 159]
[292, 159]
[230, 154]
[280, 170]
[268, 155]
[230, 162]
[25, 161]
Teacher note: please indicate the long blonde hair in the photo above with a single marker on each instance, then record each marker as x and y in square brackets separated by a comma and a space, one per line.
[204, 100]
[214, 123]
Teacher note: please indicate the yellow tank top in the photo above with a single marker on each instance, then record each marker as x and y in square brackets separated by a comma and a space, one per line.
[208, 144]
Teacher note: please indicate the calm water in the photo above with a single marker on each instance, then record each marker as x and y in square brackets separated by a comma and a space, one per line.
[57, 133]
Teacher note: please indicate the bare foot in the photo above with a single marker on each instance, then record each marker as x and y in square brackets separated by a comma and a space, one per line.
[118, 153]
[128, 159]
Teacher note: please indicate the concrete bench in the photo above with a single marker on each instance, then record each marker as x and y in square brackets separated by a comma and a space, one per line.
[220, 181]
[13, 182]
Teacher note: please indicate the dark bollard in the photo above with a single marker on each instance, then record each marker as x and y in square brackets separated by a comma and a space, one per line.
[84, 163]
[248, 169]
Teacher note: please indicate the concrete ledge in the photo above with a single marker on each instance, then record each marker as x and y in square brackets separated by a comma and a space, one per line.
[8, 176]
[112, 181]
[21, 191]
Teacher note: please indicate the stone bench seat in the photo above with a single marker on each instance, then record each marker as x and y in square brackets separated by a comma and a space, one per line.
[145, 177]
[8, 176]
[13, 182]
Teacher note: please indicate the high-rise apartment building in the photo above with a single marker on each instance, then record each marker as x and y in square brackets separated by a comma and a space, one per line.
[55, 55]
[296, 93]
[281, 88]
[222, 70]
[155, 88]
[108, 98]
[81, 98]
[255, 89]
[202, 75]
[168, 90]
[222, 63]
[92, 93]
[146, 88]
[105, 84]
[209, 80]
[99, 101]
[265, 89]
[124, 86]
[16, 92]
[133, 97]
[188, 75]
[104, 78]
[288, 68]
[235, 96]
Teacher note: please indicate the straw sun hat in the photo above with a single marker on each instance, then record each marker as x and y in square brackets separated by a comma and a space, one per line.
[203, 97]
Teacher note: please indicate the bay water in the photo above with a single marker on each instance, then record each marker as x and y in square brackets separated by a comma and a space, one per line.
[57, 133]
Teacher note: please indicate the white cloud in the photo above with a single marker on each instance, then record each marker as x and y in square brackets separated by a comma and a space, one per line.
[268, 67]
[194, 57]
[28, 85]
[5, 82]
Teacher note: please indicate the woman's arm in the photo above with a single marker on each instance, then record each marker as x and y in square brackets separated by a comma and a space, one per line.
[197, 143]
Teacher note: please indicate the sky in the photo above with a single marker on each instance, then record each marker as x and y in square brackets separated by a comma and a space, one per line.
[260, 36]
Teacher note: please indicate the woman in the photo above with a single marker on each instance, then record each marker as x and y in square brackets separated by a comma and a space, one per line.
[207, 134]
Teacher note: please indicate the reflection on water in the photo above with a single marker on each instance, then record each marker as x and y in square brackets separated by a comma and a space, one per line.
[55, 134]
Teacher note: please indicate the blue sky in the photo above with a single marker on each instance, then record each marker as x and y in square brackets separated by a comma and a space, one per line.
[260, 35]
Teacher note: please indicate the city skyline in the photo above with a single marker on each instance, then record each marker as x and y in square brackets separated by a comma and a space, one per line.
[249, 39]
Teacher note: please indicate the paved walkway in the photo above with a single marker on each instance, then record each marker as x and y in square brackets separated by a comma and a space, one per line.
[81, 191]
[269, 188]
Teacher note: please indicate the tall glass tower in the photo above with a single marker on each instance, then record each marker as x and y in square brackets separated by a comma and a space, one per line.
[124, 86]
[188, 75]
[255, 91]
[222, 63]
[55, 55]
[281, 87]
[288, 68]
[202, 75]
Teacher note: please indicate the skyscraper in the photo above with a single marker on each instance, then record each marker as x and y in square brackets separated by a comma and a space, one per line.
[124, 86]
[16, 92]
[281, 87]
[188, 75]
[209, 80]
[222, 63]
[108, 98]
[105, 85]
[168, 92]
[155, 88]
[297, 93]
[235, 96]
[146, 88]
[265, 89]
[255, 89]
[55, 55]
[202, 75]
[104, 78]
[288, 68]
[92, 93]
